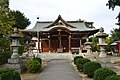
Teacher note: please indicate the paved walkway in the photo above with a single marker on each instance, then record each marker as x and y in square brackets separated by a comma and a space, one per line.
[59, 70]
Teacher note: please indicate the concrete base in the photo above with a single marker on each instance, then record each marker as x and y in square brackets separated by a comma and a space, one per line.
[102, 54]
[14, 60]
[47, 56]
[15, 63]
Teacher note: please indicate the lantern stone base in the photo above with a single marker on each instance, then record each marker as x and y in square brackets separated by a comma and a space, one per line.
[103, 54]
[14, 60]
[102, 51]
[15, 63]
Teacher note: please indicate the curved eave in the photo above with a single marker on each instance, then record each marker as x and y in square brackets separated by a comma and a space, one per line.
[28, 31]
[94, 30]
[90, 32]
[56, 21]
[84, 31]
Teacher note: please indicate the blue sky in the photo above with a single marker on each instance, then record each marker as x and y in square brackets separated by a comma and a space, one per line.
[48, 10]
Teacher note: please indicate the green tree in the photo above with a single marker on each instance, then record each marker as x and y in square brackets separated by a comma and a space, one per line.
[115, 33]
[94, 46]
[10, 19]
[112, 4]
[21, 21]
[109, 40]
[6, 19]
[4, 44]
[4, 3]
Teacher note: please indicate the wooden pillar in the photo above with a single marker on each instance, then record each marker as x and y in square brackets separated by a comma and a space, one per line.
[40, 44]
[80, 51]
[49, 43]
[60, 44]
[69, 43]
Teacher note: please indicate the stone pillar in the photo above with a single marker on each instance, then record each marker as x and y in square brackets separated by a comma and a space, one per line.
[38, 41]
[60, 49]
[38, 45]
[60, 44]
[49, 43]
[69, 43]
[80, 50]
[41, 45]
[102, 37]
[15, 60]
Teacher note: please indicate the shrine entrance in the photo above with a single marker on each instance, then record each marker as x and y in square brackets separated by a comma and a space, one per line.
[59, 40]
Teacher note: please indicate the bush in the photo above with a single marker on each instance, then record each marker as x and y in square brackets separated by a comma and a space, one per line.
[80, 62]
[9, 74]
[77, 57]
[102, 73]
[21, 50]
[33, 66]
[4, 56]
[38, 59]
[4, 44]
[113, 77]
[90, 67]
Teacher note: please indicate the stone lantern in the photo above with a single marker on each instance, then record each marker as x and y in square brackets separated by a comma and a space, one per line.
[88, 47]
[102, 37]
[15, 60]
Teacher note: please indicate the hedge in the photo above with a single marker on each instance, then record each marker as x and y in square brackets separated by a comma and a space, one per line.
[33, 66]
[4, 56]
[80, 62]
[90, 67]
[77, 57]
[113, 77]
[102, 73]
[38, 59]
[9, 74]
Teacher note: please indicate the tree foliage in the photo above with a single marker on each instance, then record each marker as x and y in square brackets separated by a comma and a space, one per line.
[94, 46]
[6, 23]
[115, 33]
[10, 19]
[4, 3]
[109, 41]
[21, 21]
[4, 44]
[112, 4]
[6, 19]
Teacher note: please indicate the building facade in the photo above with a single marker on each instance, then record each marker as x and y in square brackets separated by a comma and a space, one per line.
[116, 46]
[60, 35]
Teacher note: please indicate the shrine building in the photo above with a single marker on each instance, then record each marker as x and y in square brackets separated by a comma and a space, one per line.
[60, 35]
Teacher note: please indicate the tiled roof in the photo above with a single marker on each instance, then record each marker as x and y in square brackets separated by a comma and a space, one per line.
[60, 23]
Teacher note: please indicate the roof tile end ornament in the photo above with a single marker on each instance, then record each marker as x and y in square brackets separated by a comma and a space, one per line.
[59, 16]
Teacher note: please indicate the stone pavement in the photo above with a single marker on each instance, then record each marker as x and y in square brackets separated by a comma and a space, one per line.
[59, 70]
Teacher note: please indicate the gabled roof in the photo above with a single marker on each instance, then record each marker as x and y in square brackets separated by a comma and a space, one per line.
[59, 21]
[45, 26]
